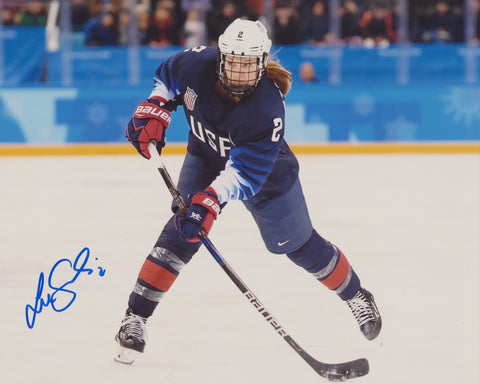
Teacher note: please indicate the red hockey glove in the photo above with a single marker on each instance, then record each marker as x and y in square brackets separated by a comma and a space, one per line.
[149, 122]
[202, 211]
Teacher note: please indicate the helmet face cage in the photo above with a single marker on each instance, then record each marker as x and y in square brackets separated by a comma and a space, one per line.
[240, 74]
[242, 56]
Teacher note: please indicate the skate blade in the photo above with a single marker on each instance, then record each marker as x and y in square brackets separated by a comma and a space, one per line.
[125, 355]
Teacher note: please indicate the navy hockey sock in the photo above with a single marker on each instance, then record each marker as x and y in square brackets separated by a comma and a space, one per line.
[328, 264]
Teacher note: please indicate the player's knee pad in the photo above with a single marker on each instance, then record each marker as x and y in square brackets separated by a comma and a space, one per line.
[169, 239]
[314, 255]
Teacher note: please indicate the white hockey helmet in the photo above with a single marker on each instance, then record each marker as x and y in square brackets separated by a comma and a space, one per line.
[243, 38]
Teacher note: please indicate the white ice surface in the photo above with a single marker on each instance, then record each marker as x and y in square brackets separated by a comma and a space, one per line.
[409, 224]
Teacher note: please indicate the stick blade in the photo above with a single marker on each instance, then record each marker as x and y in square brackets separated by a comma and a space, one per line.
[342, 371]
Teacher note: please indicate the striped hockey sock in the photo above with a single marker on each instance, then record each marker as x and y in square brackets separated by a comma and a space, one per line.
[338, 275]
[158, 273]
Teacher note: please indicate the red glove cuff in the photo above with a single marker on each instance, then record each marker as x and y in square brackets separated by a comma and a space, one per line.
[207, 199]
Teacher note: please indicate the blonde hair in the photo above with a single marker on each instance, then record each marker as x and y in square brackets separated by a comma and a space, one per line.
[279, 75]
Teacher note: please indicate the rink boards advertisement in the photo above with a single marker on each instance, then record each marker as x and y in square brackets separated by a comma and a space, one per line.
[315, 114]
[417, 93]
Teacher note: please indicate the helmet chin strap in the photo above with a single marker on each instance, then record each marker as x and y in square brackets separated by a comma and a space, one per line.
[237, 91]
[222, 92]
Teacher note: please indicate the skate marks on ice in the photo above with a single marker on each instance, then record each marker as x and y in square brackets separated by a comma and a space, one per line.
[409, 225]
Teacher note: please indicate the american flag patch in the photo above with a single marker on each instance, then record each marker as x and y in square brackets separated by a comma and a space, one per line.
[189, 98]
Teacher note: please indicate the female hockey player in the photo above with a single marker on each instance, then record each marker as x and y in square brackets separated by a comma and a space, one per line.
[233, 98]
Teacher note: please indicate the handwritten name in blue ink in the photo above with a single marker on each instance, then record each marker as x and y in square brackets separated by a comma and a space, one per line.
[60, 293]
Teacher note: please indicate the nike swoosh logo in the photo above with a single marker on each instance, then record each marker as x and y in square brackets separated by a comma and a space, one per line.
[282, 243]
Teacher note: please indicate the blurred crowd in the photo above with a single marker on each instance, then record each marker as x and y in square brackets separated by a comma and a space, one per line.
[194, 22]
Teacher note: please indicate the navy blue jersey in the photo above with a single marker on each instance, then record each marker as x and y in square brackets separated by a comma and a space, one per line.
[242, 141]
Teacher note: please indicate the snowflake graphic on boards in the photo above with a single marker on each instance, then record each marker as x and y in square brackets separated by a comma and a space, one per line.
[364, 104]
[463, 104]
[97, 113]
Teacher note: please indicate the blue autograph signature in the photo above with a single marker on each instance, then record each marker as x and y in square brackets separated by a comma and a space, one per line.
[79, 266]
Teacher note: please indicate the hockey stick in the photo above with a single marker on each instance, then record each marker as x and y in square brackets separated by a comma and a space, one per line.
[333, 372]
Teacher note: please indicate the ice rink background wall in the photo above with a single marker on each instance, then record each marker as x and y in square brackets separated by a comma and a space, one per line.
[400, 94]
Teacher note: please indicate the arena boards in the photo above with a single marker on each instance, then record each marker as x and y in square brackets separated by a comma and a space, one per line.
[179, 148]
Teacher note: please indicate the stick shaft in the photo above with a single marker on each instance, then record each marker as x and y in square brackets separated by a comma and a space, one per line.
[333, 372]
[218, 257]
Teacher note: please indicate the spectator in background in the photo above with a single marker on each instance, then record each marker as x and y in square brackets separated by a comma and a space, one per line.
[143, 20]
[219, 18]
[175, 8]
[195, 24]
[287, 24]
[315, 30]
[33, 13]
[163, 29]
[80, 14]
[8, 17]
[248, 12]
[307, 72]
[102, 30]
[154, 4]
[123, 27]
[256, 6]
[373, 27]
[349, 27]
[199, 5]
[194, 29]
[391, 23]
[114, 6]
[245, 9]
[477, 9]
[95, 7]
[442, 25]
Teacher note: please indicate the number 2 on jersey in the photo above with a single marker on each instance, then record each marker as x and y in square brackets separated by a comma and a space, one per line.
[276, 131]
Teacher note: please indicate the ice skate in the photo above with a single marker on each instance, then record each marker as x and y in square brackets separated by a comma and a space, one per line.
[366, 313]
[131, 338]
